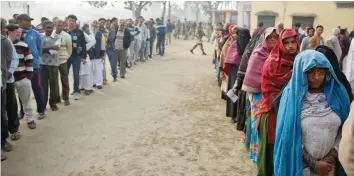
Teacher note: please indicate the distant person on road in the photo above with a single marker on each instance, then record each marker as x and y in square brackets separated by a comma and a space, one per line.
[170, 27]
[199, 34]
[161, 36]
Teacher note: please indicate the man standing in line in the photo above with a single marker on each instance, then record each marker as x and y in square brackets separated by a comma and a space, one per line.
[33, 39]
[105, 31]
[316, 40]
[11, 101]
[170, 27]
[152, 36]
[161, 36]
[64, 53]
[134, 31]
[143, 29]
[50, 65]
[79, 52]
[111, 53]
[6, 56]
[22, 75]
[302, 36]
[99, 54]
[121, 44]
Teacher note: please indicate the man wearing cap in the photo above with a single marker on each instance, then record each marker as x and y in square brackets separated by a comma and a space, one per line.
[33, 39]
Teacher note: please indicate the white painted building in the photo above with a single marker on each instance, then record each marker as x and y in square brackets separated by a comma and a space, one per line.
[233, 12]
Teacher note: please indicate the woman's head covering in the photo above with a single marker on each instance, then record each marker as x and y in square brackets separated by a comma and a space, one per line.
[335, 31]
[276, 73]
[252, 81]
[288, 144]
[332, 58]
[231, 58]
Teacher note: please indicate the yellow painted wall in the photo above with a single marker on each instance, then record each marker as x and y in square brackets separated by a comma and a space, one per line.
[227, 16]
[326, 12]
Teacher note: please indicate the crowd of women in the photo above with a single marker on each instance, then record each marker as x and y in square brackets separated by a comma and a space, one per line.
[293, 107]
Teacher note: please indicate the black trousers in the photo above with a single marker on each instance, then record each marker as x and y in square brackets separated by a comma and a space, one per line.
[4, 130]
[11, 109]
[151, 46]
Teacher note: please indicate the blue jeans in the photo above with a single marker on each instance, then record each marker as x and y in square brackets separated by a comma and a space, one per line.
[37, 91]
[76, 62]
[113, 60]
[142, 50]
[162, 44]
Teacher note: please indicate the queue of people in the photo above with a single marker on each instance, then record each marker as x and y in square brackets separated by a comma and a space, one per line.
[33, 59]
[292, 100]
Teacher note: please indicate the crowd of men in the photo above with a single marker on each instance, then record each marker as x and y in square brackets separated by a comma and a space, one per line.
[33, 59]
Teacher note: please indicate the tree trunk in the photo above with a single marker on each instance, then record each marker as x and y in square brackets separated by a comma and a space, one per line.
[137, 12]
[164, 9]
[169, 9]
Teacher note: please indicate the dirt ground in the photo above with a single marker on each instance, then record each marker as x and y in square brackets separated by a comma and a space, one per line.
[166, 118]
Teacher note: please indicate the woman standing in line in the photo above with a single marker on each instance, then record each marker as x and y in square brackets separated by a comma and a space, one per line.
[252, 83]
[276, 73]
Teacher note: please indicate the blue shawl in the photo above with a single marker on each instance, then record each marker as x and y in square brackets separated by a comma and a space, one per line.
[288, 141]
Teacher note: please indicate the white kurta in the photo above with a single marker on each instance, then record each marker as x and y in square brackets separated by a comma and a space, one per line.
[86, 70]
[349, 70]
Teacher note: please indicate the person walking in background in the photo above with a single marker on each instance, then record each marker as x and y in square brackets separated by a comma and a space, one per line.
[79, 52]
[50, 65]
[22, 77]
[121, 44]
[33, 39]
[200, 35]
[170, 28]
[64, 53]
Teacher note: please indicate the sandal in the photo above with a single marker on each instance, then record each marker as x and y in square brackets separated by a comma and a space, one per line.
[3, 157]
[16, 136]
[7, 147]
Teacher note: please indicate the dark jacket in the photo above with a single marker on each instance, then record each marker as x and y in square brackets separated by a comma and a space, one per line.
[127, 39]
[6, 57]
[79, 43]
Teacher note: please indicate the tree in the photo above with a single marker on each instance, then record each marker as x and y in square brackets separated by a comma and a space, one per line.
[135, 7]
[164, 8]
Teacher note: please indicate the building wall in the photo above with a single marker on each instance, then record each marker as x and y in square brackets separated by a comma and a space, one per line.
[326, 12]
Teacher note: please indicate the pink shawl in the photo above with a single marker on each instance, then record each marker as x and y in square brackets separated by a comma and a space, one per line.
[252, 81]
[232, 57]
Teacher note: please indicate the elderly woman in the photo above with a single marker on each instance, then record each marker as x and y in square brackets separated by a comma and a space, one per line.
[313, 107]
[333, 43]
[252, 83]
[276, 73]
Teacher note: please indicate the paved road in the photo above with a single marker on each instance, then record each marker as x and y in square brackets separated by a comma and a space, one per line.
[166, 118]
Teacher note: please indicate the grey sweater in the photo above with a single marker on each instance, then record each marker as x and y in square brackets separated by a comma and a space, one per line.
[6, 56]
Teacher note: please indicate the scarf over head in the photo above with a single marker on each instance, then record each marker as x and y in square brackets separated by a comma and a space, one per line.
[276, 73]
[231, 57]
[252, 81]
[332, 58]
[288, 144]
